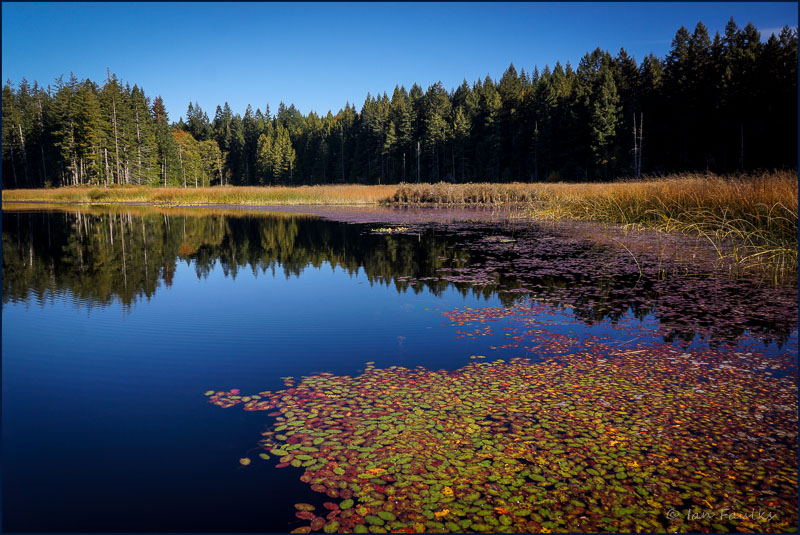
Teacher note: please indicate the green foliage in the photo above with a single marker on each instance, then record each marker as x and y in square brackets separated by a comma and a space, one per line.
[604, 116]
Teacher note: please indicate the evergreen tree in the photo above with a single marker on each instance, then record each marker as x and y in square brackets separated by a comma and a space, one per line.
[724, 104]
[264, 160]
[90, 136]
[605, 117]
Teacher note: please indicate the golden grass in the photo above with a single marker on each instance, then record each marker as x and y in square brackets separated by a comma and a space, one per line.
[752, 220]
[749, 219]
[471, 193]
[246, 195]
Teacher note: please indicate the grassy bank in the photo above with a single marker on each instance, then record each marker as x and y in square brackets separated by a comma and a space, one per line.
[246, 195]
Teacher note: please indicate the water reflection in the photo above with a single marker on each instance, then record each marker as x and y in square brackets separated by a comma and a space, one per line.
[98, 256]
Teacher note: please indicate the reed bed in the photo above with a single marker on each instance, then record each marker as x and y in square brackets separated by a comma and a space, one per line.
[750, 219]
[244, 195]
[471, 193]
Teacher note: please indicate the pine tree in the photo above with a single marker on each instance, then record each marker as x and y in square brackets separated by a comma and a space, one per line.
[147, 169]
[605, 117]
[510, 89]
[66, 111]
[723, 104]
[265, 160]
[11, 150]
[167, 151]
[437, 130]
[461, 129]
[90, 135]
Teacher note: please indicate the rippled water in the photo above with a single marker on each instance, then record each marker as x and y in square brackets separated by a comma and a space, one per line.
[116, 321]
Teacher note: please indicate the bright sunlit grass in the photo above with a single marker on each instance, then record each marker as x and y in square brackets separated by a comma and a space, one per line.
[247, 195]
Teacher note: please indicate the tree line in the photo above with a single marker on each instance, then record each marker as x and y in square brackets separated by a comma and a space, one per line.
[723, 104]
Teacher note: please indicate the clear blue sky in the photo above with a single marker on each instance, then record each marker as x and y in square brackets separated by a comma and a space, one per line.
[320, 55]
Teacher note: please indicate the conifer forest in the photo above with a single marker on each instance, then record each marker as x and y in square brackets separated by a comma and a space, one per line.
[726, 103]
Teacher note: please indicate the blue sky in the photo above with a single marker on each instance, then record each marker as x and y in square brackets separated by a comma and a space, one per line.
[320, 55]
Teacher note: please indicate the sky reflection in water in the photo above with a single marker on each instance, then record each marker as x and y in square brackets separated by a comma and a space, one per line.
[106, 350]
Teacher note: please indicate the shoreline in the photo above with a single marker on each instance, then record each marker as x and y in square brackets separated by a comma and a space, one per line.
[750, 219]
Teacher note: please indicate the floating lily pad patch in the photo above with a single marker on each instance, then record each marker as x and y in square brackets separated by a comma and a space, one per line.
[582, 444]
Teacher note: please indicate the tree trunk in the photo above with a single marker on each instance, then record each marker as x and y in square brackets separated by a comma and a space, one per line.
[24, 155]
[44, 169]
[116, 137]
[138, 147]
[536, 153]
[41, 136]
[417, 161]
[72, 153]
[342, 151]
[107, 170]
[183, 171]
[641, 136]
[635, 149]
[13, 167]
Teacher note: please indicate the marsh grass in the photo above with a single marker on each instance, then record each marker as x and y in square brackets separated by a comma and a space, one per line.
[750, 220]
[242, 195]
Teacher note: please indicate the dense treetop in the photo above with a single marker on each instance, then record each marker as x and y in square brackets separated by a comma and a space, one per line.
[724, 104]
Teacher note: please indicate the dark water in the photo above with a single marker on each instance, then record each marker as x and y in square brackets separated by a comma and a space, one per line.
[115, 323]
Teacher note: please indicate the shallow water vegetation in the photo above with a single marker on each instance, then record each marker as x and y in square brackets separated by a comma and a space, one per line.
[585, 443]
[751, 219]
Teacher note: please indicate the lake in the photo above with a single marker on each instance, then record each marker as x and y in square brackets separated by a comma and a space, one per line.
[404, 370]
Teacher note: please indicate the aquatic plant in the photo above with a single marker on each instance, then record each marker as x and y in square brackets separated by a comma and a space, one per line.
[646, 440]
[390, 229]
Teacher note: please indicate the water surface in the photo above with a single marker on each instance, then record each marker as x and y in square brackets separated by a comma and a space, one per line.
[116, 321]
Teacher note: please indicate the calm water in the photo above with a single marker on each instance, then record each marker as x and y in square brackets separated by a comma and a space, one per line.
[115, 323]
